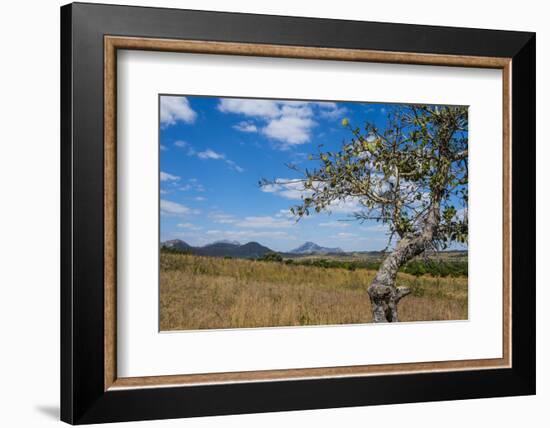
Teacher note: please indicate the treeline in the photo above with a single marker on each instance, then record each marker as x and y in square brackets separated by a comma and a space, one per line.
[441, 268]
[169, 250]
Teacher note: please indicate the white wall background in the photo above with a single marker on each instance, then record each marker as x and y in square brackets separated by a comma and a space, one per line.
[29, 218]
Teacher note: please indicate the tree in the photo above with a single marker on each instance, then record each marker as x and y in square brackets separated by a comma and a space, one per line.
[271, 257]
[411, 176]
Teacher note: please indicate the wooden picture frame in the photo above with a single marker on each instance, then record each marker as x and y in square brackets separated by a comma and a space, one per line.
[91, 390]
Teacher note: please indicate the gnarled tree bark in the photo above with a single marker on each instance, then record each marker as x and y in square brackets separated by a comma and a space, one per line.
[383, 292]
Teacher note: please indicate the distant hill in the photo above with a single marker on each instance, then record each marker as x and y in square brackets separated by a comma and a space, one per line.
[252, 249]
[216, 249]
[249, 250]
[312, 248]
[176, 244]
[226, 241]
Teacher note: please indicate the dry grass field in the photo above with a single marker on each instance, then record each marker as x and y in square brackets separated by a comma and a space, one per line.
[205, 292]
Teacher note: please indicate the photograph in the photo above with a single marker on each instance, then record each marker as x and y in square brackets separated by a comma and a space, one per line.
[261, 217]
[286, 212]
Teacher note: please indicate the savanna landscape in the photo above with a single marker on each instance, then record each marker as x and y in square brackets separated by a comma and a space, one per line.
[277, 213]
[202, 292]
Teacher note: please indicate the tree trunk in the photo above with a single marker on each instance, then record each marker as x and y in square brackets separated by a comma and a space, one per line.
[383, 293]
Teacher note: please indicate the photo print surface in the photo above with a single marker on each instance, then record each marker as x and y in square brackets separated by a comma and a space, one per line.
[279, 213]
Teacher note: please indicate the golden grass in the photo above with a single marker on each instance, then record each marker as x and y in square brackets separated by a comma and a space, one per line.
[206, 292]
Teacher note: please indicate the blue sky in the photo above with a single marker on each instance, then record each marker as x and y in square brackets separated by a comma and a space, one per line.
[213, 152]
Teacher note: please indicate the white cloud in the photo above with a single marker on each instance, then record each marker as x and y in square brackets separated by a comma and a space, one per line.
[286, 213]
[249, 107]
[163, 148]
[379, 227]
[173, 208]
[175, 109]
[181, 144]
[246, 127]
[294, 189]
[332, 111]
[280, 220]
[234, 166]
[329, 105]
[185, 145]
[200, 198]
[210, 154]
[222, 218]
[287, 122]
[287, 188]
[346, 235]
[346, 206]
[164, 176]
[189, 226]
[261, 222]
[290, 130]
[242, 235]
[296, 109]
[191, 184]
[334, 224]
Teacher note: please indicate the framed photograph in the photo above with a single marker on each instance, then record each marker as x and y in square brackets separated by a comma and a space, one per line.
[265, 213]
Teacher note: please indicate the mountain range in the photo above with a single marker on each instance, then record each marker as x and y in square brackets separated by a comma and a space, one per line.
[249, 250]
[312, 248]
[220, 249]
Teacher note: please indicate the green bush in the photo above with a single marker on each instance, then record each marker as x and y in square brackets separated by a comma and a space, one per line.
[169, 250]
[436, 268]
[271, 257]
[415, 267]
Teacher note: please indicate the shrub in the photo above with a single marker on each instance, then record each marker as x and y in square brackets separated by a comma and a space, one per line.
[169, 250]
[271, 257]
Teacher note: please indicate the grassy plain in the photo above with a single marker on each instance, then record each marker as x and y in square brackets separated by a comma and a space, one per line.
[212, 293]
